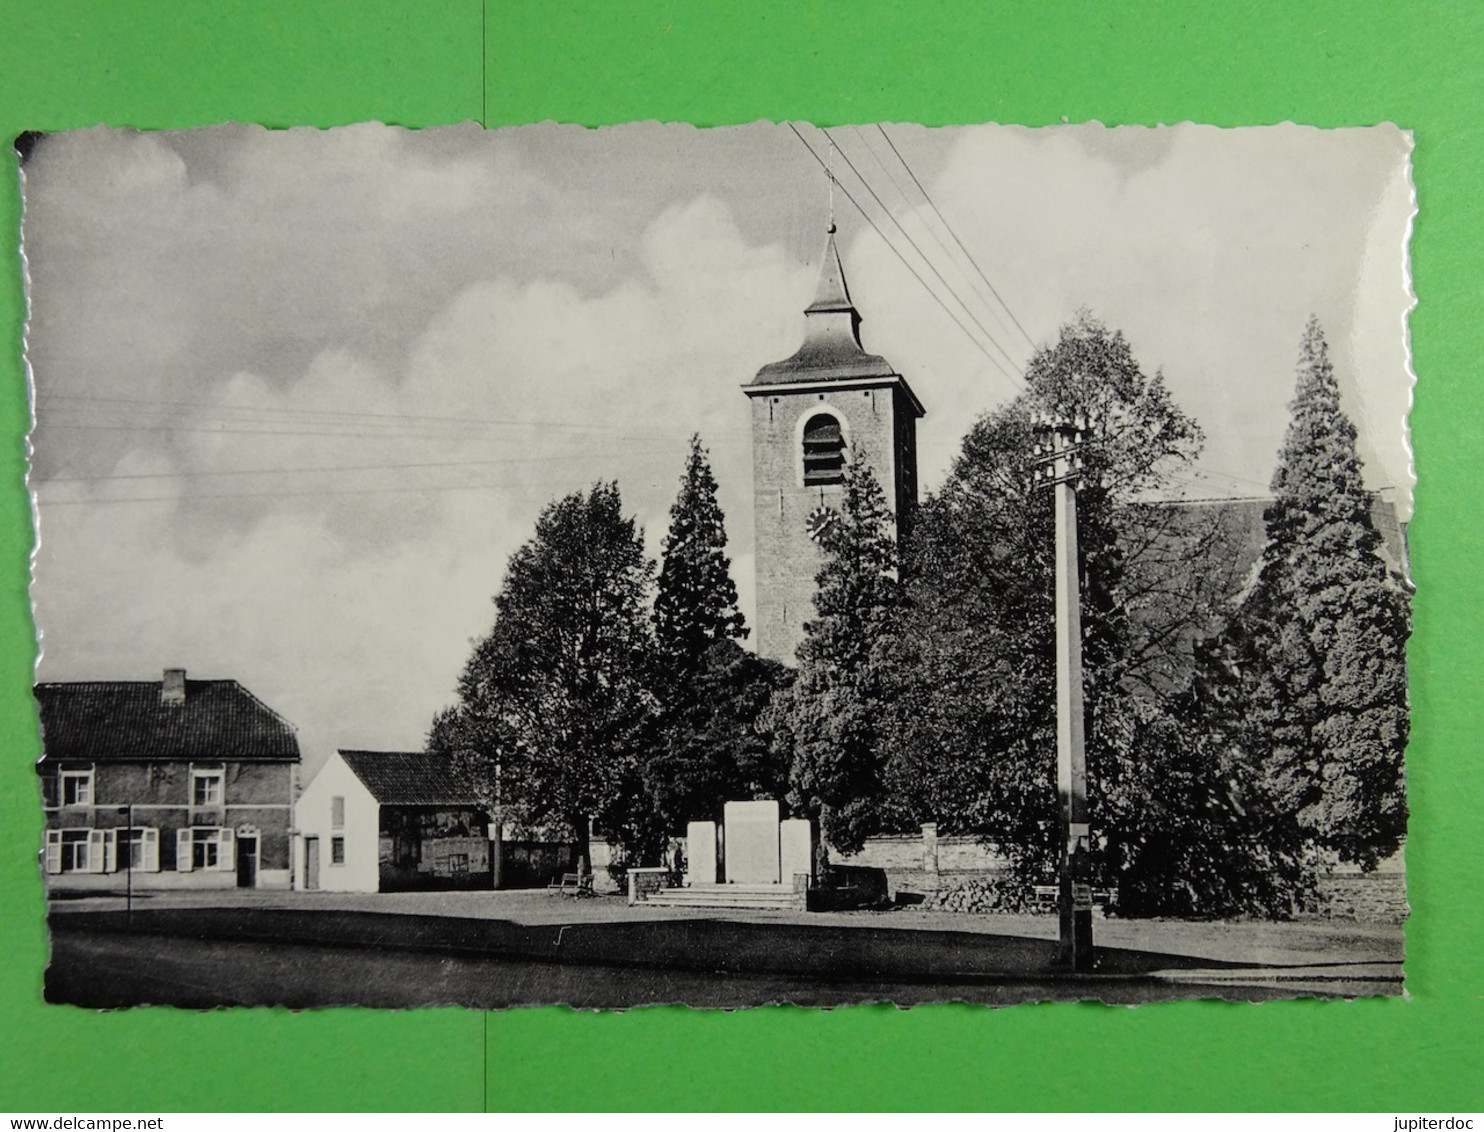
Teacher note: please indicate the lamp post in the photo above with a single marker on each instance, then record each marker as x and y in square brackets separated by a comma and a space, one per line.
[128, 812]
[1060, 464]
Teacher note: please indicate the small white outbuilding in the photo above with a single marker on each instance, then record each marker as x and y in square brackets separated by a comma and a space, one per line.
[379, 821]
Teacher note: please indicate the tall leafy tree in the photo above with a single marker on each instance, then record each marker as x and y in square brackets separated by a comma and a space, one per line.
[972, 730]
[553, 711]
[829, 721]
[1318, 649]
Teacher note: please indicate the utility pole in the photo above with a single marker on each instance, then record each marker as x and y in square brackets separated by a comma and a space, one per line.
[1061, 465]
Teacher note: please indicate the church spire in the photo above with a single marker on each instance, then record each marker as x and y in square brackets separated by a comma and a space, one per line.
[831, 294]
[832, 348]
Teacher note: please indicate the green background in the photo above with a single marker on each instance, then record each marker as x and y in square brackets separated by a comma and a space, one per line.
[326, 62]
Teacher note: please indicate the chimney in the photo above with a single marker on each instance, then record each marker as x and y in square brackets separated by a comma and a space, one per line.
[172, 688]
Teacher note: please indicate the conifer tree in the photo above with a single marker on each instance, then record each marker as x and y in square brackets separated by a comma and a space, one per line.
[696, 605]
[711, 691]
[829, 721]
[1319, 647]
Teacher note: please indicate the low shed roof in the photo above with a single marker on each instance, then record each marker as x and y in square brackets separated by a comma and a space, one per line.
[410, 778]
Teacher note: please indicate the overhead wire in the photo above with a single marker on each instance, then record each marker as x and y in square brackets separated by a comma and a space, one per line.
[968, 255]
[905, 263]
[365, 424]
[191, 497]
[348, 413]
[993, 341]
[978, 291]
[310, 469]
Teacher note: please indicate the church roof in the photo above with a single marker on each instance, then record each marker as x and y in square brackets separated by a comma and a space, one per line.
[832, 348]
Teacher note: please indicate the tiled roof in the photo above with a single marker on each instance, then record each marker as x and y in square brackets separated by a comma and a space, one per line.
[410, 778]
[126, 721]
[1247, 534]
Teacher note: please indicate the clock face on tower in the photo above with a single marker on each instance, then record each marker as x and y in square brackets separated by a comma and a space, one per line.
[820, 520]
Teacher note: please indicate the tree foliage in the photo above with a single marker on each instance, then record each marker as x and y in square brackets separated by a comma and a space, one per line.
[828, 723]
[711, 747]
[696, 603]
[1313, 668]
[553, 712]
[712, 692]
[972, 734]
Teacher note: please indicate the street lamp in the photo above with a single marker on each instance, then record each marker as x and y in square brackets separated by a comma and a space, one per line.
[128, 812]
[1059, 463]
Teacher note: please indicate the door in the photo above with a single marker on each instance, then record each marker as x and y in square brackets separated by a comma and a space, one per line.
[247, 862]
[311, 863]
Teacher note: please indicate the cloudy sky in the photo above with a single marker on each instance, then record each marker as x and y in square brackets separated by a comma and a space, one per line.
[299, 394]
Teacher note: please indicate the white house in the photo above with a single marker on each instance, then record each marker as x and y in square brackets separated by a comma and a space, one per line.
[378, 821]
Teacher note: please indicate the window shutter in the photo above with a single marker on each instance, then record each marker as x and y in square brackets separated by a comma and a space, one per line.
[183, 850]
[226, 859]
[150, 855]
[53, 850]
[111, 850]
[96, 843]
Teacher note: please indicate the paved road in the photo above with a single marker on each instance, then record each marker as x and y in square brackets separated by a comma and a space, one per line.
[1246, 942]
[103, 971]
[499, 949]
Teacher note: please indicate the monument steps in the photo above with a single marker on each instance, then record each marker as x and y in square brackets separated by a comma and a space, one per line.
[755, 897]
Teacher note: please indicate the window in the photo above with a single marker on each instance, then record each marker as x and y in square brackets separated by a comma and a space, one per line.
[824, 450]
[337, 850]
[204, 848]
[206, 788]
[337, 812]
[138, 850]
[75, 850]
[77, 788]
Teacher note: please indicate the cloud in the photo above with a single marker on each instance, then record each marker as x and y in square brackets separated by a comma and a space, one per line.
[347, 599]
[302, 393]
[1208, 248]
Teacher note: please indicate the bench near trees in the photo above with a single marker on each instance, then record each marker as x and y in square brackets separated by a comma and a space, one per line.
[573, 884]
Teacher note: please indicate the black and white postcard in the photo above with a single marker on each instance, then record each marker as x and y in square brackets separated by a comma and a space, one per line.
[720, 566]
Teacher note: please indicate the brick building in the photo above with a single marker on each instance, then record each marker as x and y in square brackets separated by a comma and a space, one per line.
[807, 410]
[172, 783]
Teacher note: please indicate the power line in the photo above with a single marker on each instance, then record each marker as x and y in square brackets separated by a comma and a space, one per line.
[913, 244]
[932, 230]
[426, 489]
[222, 430]
[198, 472]
[348, 413]
[1205, 471]
[187, 498]
[952, 233]
[915, 274]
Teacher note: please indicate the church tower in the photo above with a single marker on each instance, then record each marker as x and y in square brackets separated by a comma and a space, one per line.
[806, 410]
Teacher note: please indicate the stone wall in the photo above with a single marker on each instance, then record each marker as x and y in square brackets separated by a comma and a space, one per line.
[917, 865]
[1377, 898]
